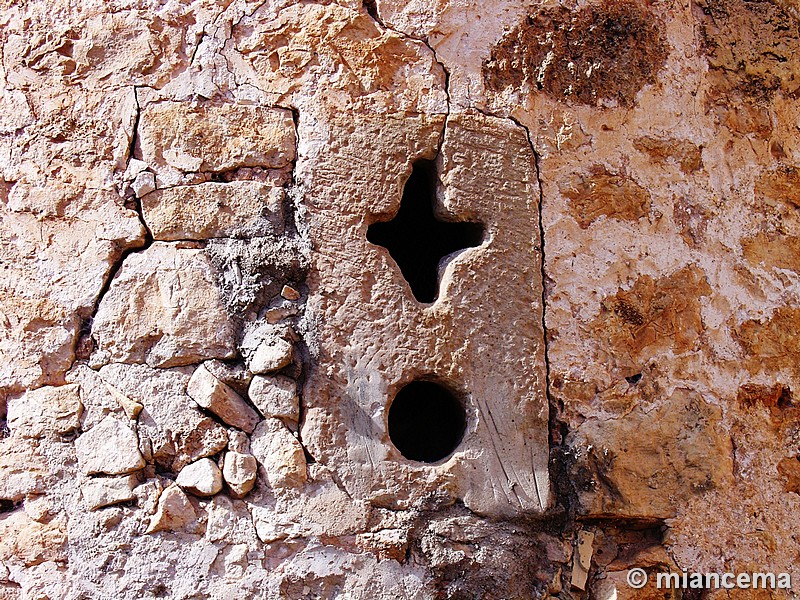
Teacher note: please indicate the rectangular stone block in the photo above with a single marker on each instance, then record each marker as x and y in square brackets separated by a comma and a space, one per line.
[214, 138]
[481, 338]
[236, 209]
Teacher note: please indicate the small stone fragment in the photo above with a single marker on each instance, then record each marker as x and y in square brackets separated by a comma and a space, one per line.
[110, 447]
[275, 397]
[174, 511]
[290, 293]
[271, 355]
[209, 392]
[582, 559]
[106, 491]
[201, 478]
[135, 167]
[144, 183]
[131, 407]
[238, 442]
[240, 471]
[280, 453]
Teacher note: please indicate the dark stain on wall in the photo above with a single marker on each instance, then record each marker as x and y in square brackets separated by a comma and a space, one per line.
[752, 46]
[607, 51]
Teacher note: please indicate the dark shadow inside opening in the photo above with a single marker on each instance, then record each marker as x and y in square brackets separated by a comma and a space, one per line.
[417, 240]
[426, 421]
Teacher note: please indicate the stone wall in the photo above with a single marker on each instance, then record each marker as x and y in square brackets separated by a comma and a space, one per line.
[202, 336]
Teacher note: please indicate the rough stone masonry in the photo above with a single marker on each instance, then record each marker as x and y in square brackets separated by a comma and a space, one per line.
[218, 381]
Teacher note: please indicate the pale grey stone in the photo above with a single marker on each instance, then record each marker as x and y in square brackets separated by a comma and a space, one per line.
[106, 491]
[110, 447]
[201, 478]
[275, 396]
[240, 471]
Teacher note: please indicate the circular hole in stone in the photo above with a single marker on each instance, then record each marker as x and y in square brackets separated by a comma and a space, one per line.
[426, 421]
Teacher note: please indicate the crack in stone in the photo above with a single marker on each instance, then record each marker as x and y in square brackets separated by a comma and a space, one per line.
[540, 207]
[84, 330]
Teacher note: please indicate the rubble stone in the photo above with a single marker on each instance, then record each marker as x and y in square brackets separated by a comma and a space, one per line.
[110, 447]
[275, 396]
[174, 511]
[210, 393]
[143, 184]
[271, 355]
[240, 472]
[46, 411]
[280, 453]
[163, 308]
[172, 430]
[201, 478]
[100, 492]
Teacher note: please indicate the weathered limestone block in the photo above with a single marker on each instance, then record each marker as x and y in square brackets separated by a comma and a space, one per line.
[45, 412]
[172, 430]
[110, 447]
[100, 492]
[280, 453]
[201, 478]
[26, 541]
[647, 464]
[275, 396]
[214, 210]
[210, 393]
[367, 65]
[211, 137]
[482, 336]
[111, 48]
[174, 511]
[240, 472]
[57, 244]
[163, 308]
[23, 469]
[326, 509]
[323, 509]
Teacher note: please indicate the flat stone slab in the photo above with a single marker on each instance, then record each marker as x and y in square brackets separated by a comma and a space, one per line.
[215, 137]
[214, 210]
[482, 337]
